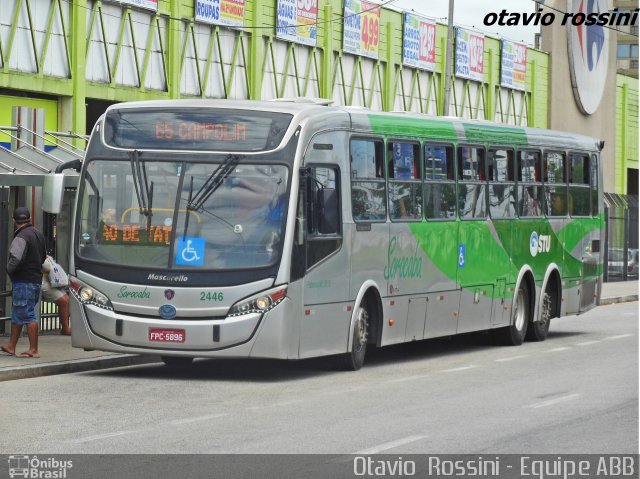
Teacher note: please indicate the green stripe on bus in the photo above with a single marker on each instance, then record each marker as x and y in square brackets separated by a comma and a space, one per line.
[417, 127]
[498, 135]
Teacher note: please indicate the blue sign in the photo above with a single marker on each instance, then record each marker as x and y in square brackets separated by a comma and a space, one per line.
[190, 251]
[462, 255]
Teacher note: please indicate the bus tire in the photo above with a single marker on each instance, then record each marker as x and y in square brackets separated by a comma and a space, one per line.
[176, 362]
[354, 359]
[514, 334]
[538, 330]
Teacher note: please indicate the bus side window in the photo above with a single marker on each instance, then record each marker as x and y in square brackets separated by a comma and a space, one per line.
[555, 188]
[595, 211]
[405, 188]
[502, 195]
[322, 211]
[579, 184]
[472, 202]
[529, 190]
[439, 184]
[368, 185]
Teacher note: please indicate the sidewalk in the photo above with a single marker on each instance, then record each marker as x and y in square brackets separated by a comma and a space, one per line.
[58, 357]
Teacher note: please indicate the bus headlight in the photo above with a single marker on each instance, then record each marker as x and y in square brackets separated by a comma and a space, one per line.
[88, 295]
[259, 303]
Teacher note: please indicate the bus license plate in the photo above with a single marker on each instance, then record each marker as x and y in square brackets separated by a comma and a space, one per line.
[166, 335]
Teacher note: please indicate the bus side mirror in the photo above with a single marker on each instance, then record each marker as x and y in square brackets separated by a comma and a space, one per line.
[52, 193]
[328, 215]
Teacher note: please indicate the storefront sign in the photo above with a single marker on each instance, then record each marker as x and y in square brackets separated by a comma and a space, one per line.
[469, 55]
[361, 34]
[588, 56]
[513, 65]
[229, 13]
[419, 42]
[297, 21]
[150, 4]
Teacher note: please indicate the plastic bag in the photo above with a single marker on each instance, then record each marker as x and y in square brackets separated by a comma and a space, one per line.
[57, 276]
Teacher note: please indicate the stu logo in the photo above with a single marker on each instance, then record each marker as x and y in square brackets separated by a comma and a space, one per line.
[539, 244]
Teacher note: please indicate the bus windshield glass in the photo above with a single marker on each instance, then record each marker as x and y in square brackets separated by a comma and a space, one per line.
[182, 215]
[195, 129]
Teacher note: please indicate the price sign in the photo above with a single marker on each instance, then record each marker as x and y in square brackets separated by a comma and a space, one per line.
[513, 65]
[469, 55]
[419, 42]
[361, 28]
[369, 35]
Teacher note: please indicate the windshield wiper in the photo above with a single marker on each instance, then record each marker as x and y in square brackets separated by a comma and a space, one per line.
[141, 184]
[215, 180]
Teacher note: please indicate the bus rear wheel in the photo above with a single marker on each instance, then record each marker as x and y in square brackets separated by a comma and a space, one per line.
[176, 362]
[538, 330]
[514, 334]
[354, 359]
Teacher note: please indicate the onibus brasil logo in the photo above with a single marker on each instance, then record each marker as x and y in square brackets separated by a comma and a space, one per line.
[539, 243]
[33, 467]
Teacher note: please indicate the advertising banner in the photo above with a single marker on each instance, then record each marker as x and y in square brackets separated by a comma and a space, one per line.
[150, 4]
[513, 65]
[469, 55]
[229, 13]
[419, 42]
[297, 21]
[361, 28]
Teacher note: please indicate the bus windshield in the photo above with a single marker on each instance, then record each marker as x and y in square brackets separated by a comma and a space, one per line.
[182, 215]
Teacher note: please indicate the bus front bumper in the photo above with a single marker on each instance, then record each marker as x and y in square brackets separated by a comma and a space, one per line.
[237, 336]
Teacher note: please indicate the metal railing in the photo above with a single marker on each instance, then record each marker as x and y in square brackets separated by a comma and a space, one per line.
[621, 245]
[48, 316]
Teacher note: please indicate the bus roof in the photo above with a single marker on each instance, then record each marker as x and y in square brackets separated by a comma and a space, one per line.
[402, 124]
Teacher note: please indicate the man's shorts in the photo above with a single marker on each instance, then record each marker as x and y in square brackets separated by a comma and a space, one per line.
[51, 294]
[24, 298]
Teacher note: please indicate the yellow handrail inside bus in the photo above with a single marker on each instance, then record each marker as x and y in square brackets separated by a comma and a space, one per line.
[153, 210]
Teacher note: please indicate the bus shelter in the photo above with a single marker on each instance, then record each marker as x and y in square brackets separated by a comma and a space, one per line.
[23, 168]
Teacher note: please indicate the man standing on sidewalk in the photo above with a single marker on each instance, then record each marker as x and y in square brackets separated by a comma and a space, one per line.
[26, 255]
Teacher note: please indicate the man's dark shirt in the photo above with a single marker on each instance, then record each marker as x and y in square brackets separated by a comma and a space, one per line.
[26, 255]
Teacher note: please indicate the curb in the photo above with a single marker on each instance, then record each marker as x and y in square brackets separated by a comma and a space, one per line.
[74, 366]
[619, 299]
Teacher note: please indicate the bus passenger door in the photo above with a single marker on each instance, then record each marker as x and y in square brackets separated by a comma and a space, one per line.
[325, 323]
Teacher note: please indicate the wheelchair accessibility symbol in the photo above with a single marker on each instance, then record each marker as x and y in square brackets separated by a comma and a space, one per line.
[190, 251]
[462, 255]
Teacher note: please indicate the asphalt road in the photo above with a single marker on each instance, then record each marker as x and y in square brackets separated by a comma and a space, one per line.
[577, 392]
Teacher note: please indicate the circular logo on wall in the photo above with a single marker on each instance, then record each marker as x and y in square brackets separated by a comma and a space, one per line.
[588, 55]
[533, 244]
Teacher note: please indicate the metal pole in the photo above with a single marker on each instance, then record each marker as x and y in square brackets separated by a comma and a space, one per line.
[448, 61]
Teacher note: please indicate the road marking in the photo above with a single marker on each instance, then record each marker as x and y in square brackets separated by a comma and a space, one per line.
[275, 404]
[462, 368]
[99, 437]
[407, 378]
[555, 350]
[554, 401]
[512, 358]
[188, 420]
[588, 343]
[619, 336]
[391, 445]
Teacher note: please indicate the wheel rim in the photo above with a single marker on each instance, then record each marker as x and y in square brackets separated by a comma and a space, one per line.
[360, 331]
[519, 312]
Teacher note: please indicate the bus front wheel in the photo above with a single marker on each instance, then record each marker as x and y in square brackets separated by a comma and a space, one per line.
[354, 359]
[514, 334]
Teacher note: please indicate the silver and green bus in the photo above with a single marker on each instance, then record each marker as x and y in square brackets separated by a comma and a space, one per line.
[295, 229]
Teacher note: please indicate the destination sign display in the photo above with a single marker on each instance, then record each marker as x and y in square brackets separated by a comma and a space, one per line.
[211, 129]
[134, 233]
